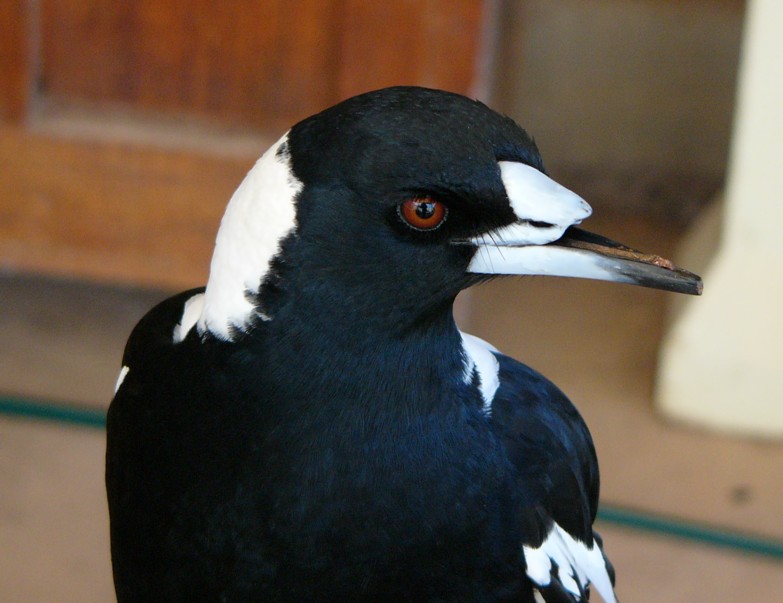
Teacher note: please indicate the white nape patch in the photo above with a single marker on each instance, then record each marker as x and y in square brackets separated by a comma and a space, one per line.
[120, 378]
[260, 214]
[534, 196]
[480, 357]
[545, 261]
[190, 315]
[578, 564]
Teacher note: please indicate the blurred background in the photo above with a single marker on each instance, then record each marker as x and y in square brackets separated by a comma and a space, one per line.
[125, 125]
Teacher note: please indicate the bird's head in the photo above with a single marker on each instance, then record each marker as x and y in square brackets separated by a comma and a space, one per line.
[388, 204]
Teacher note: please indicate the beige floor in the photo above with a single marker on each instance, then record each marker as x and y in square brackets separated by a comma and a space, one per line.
[63, 341]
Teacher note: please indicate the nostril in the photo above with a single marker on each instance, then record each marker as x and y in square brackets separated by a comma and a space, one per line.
[537, 223]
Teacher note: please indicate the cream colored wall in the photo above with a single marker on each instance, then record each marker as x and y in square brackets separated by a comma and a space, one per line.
[722, 362]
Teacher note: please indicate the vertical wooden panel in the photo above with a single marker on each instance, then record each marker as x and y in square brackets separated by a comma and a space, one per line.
[238, 60]
[14, 59]
[426, 42]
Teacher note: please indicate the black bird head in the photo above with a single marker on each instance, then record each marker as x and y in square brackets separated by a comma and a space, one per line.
[386, 205]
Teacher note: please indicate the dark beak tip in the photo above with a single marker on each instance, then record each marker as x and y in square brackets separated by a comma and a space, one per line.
[692, 283]
[646, 269]
[699, 286]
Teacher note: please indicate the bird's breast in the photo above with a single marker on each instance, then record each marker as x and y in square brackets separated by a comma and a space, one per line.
[395, 501]
[385, 468]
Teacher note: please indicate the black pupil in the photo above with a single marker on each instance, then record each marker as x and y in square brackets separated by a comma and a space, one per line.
[425, 209]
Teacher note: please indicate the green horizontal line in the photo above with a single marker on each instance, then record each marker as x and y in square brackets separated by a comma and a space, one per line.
[86, 416]
[690, 530]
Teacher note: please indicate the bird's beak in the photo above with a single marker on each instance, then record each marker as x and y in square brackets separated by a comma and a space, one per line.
[544, 241]
[581, 254]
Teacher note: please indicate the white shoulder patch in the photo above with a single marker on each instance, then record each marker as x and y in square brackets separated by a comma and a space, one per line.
[190, 315]
[579, 565]
[121, 377]
[480, 356]
[260, 214]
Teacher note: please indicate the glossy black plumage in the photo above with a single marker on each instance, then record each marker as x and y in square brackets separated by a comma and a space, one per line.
[333, 449]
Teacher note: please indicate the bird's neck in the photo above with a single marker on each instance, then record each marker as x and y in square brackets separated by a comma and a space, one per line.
[355, 361]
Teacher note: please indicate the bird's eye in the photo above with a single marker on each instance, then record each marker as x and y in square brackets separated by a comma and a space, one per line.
[423, 213]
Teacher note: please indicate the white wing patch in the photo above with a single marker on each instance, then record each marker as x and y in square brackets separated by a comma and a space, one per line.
[480, 357]
[259, 216]
[578, 565]
[121, 377]
[190, 315]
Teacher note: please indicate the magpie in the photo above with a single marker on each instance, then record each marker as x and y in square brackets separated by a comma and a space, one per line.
[313, 426]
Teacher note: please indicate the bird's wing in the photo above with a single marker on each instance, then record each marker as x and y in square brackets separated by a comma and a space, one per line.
[149, 385]
[158, 434]
[147, 374]
[549, 445]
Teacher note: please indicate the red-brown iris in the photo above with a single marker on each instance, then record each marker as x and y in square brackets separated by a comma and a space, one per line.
[423, 213]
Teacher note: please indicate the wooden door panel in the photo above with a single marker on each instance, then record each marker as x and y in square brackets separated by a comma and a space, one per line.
[239, 61]
[111, 211]
[432, 43]
[95, 182]
[14, 59]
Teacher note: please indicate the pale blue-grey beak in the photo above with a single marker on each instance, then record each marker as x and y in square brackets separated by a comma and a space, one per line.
[545, 241]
